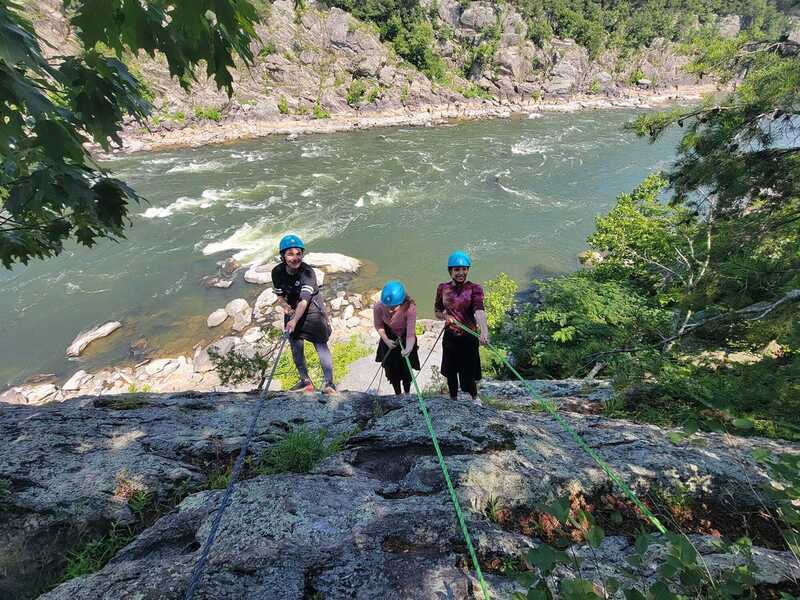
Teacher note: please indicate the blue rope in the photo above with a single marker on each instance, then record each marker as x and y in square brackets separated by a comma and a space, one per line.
[201, 563]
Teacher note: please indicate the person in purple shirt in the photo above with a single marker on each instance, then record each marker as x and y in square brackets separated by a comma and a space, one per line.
[395, 320]
[462, 301]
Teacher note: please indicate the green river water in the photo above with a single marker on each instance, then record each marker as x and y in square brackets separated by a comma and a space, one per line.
[520, 195]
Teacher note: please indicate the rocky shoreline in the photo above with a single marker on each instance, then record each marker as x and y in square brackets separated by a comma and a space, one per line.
[244, 328]
[250, 127]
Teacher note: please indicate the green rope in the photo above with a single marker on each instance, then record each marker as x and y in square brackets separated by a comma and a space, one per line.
[424, 408]
[576, 437]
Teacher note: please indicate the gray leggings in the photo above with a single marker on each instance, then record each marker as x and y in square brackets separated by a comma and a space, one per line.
[299, 356]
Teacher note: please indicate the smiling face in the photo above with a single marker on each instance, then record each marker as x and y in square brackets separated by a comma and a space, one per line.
[459, 274]
[293, 257]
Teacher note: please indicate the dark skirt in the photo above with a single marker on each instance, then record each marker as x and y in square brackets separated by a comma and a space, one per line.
[313, 327]
[395, 366]
[461, 355]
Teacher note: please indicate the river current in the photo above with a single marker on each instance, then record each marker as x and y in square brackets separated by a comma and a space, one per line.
[520, 195]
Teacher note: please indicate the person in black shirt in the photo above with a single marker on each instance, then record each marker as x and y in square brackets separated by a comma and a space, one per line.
[295, 284]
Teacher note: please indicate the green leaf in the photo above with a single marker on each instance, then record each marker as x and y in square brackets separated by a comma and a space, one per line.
[539, 593]
[743, 424]
[660, 591]
[577, 589]
[595, 536]
[545, 558]
[559, 508]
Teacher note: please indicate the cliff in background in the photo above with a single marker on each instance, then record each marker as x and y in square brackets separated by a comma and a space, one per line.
[317, 62]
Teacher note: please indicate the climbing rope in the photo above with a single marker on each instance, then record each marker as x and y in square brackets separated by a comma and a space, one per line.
[198, 568]
[436, 341]
[424, 408]
[548, 406]
[385, 356]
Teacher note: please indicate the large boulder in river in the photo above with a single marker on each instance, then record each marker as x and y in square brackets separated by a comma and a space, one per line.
[217, 317]
[87, 337]
[239, 311]
[263, 304]
[331, 262]
[260, 274]
[372, 521]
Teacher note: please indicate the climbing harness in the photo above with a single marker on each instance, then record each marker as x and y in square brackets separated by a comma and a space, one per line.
[424, 362]
[200, 565]
[548, 407]
[424, 408]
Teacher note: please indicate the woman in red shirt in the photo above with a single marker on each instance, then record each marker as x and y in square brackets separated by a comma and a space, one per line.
[461, 300]
[395, 319]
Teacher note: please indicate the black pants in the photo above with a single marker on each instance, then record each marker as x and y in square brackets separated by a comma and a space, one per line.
[406, 385]
[461, 363]
[394, 365]
[468, 385]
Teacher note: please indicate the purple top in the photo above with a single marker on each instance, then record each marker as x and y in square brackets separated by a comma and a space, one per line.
[460, 302]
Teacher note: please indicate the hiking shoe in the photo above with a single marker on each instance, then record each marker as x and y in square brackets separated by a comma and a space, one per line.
[329, 389]
[304, 385]
[477, 401]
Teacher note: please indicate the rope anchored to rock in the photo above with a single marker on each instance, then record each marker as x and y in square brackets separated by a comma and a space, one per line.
[549, 408]
[459, 514]
[237, 467]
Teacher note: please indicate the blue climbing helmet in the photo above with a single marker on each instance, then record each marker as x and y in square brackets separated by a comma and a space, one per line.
[458, 259]
[393, 293]
[290, 241]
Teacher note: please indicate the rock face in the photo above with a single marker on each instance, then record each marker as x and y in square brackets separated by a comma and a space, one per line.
[87, 337]
[316, 56]
[373, 521]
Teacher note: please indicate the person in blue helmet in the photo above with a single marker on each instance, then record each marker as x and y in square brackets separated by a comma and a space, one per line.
[295, 284]
[460, 300]
[395, 319]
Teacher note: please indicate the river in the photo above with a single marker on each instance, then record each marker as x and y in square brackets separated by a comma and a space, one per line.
[520, 195]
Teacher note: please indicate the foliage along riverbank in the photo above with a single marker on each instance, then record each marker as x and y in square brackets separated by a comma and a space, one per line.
[691, 306]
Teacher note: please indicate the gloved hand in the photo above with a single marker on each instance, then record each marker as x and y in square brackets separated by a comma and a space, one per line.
[391, 344]
[409, 347]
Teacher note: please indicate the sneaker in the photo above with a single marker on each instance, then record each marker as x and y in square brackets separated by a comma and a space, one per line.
[329, 389]
[477, 401]
[304, 385]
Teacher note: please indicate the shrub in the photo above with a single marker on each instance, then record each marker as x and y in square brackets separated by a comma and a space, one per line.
[374, 93]
[319, 112]
[95, 553]
[283, 105]
[356, 91]
[269, 48]
[498, 299]
[205, 112]
[475, 91]
[299, 452]
[581, 319]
